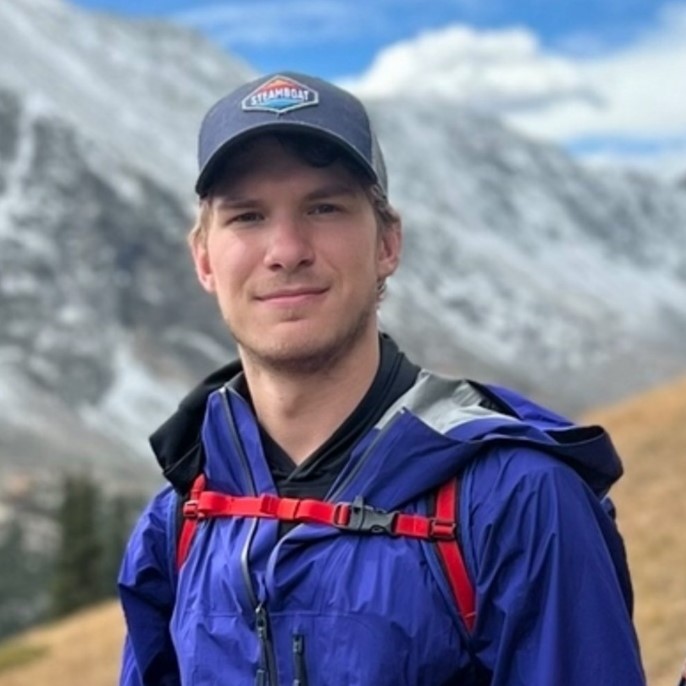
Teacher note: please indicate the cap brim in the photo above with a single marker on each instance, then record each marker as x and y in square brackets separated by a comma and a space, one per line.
[214, 163]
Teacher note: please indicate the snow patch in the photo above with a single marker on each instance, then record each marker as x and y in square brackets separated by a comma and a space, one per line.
[135, 404]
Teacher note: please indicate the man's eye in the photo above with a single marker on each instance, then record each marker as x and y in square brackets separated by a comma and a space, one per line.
[324, 208]
[245, 218]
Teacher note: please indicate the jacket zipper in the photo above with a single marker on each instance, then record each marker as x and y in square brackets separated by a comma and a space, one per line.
[267, 665]
[299, 667]
[245, 567]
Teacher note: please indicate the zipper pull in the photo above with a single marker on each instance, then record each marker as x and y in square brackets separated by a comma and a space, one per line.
[299, 668]
[261, 621]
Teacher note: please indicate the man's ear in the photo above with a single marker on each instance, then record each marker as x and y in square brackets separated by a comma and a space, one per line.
[390, 247]
[197, 242]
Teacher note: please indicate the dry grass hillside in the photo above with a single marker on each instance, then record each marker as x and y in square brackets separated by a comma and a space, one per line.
[82, 650]
[649, 431]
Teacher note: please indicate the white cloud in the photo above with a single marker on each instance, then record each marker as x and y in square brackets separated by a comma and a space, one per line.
[634, 92]
[640, 88]
[495, 70]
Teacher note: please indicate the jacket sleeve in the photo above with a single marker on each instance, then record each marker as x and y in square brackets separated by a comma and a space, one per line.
[146, 591]
[550, 577]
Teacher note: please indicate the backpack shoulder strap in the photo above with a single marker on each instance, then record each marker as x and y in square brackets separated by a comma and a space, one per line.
[188, 525]
[447, 509]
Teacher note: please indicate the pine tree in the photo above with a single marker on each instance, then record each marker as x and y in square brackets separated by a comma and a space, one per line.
[79, 560]
[23, 573]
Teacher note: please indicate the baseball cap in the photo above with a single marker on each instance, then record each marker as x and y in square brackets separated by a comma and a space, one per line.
[285, 102]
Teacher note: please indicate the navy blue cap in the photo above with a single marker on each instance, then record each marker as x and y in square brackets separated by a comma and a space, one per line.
[288, 102]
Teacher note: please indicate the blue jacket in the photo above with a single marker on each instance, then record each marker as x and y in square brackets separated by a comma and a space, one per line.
[328, 608]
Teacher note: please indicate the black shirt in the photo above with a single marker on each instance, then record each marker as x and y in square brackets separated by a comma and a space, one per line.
[314, 477]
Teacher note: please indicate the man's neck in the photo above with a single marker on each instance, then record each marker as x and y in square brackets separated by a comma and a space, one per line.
[301, 411]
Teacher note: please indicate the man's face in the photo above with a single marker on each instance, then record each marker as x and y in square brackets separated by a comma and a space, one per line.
[294, 255]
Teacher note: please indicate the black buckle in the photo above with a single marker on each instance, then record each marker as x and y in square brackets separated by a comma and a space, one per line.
[366, 519]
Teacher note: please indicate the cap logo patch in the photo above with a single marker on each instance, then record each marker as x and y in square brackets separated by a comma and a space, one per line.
[280, 94]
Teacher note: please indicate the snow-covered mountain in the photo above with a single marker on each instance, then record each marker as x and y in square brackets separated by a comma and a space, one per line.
[519, 265]
[136, 88]
[573, 280]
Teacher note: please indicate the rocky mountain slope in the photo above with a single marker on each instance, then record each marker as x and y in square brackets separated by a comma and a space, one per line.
[520, 265]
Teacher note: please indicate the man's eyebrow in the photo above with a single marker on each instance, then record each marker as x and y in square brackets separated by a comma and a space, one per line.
[331, 191]
[230, 202]
[226, 201]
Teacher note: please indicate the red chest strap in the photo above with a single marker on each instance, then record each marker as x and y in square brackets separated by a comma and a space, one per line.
[356, 517]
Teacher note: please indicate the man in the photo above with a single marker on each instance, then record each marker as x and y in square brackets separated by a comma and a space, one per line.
[316, 548]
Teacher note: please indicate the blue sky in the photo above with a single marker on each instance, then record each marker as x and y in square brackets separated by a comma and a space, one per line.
[603, 78]
[340, 37]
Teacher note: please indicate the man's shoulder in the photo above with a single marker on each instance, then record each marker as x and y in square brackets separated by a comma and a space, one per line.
[155, 515]
[525, 499]
[506, 467]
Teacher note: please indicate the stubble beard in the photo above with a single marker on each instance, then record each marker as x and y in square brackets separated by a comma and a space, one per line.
[315, 357]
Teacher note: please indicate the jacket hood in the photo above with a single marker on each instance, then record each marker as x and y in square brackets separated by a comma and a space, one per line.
[506, 417]
[177, 443]
[587, 449]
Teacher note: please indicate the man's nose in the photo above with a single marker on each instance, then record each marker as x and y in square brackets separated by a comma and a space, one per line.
[290, 244]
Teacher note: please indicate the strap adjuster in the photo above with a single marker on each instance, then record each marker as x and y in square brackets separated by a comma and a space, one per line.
[268, 505]
[191, 510]
[442, 529]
